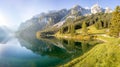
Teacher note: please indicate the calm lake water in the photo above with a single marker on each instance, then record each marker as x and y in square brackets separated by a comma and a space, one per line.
[47, 52]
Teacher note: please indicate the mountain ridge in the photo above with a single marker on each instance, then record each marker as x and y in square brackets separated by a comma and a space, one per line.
[56, 19]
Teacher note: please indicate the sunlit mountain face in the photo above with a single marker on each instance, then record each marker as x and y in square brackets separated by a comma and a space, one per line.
[53, 33]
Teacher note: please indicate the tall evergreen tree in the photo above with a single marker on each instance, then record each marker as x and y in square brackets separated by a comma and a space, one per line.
[115, 23]
[61, 30]
[100, 24]
[84, 28]
[69, 21]
[72, 29]
[97, 25]
[105, 24]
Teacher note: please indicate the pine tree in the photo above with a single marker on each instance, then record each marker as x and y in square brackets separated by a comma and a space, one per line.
[69, 28]
[97, 25]
[115, 23]
[69, 21]
[84, 28]
[105, 24]
[72, 29]
[61, 30]
[100, 24]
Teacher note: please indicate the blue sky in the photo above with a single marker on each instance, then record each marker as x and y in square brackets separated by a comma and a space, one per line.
[14, 12]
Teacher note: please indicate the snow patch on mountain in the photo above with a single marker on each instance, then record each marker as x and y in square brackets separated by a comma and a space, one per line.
[59, 24]
[96, 9]
[58, 18]
[108, 10]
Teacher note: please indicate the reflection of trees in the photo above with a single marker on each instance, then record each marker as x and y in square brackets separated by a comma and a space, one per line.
[44, 48]
[85, 46]
[77, 47]
[60, 48]
[74, 47]
[69, 45]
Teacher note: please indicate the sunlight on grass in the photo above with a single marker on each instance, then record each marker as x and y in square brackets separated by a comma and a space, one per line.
[102, 55]
[92, 30]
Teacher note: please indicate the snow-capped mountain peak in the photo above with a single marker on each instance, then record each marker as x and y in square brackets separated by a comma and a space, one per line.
[87, 8]
[96, 9]
[76, 6]
[108, 10]
[79, 10]
[58, 18]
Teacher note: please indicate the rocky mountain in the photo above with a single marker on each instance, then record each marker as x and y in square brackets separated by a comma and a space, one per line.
[55, 19]
[44, 19]
[41, 21]
[78, 10]
[73, 13]
[108, 10]
[96, 9]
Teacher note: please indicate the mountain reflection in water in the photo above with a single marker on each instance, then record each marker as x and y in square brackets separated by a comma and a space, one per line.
[43, 52]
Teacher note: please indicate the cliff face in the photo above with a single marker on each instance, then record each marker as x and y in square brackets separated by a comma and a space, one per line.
[55, 19]
[96, 9]
[108, 10]
[40, 22]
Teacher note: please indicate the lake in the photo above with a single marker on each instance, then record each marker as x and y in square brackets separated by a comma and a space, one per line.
[44, 52]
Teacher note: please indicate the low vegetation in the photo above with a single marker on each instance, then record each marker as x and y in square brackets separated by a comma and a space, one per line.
[102, 55]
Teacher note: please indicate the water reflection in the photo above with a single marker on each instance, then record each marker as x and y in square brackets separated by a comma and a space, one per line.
[60, 48]
[4, 40]
[45, 48]
[42, 52]
[12, 54]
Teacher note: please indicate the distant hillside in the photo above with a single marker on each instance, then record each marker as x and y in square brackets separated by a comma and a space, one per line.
[53, 20]
[40, 22]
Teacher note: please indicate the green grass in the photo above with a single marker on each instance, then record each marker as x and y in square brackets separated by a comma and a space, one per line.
[106, 54]
[78, 35]
[92, 30]
[102, 55]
